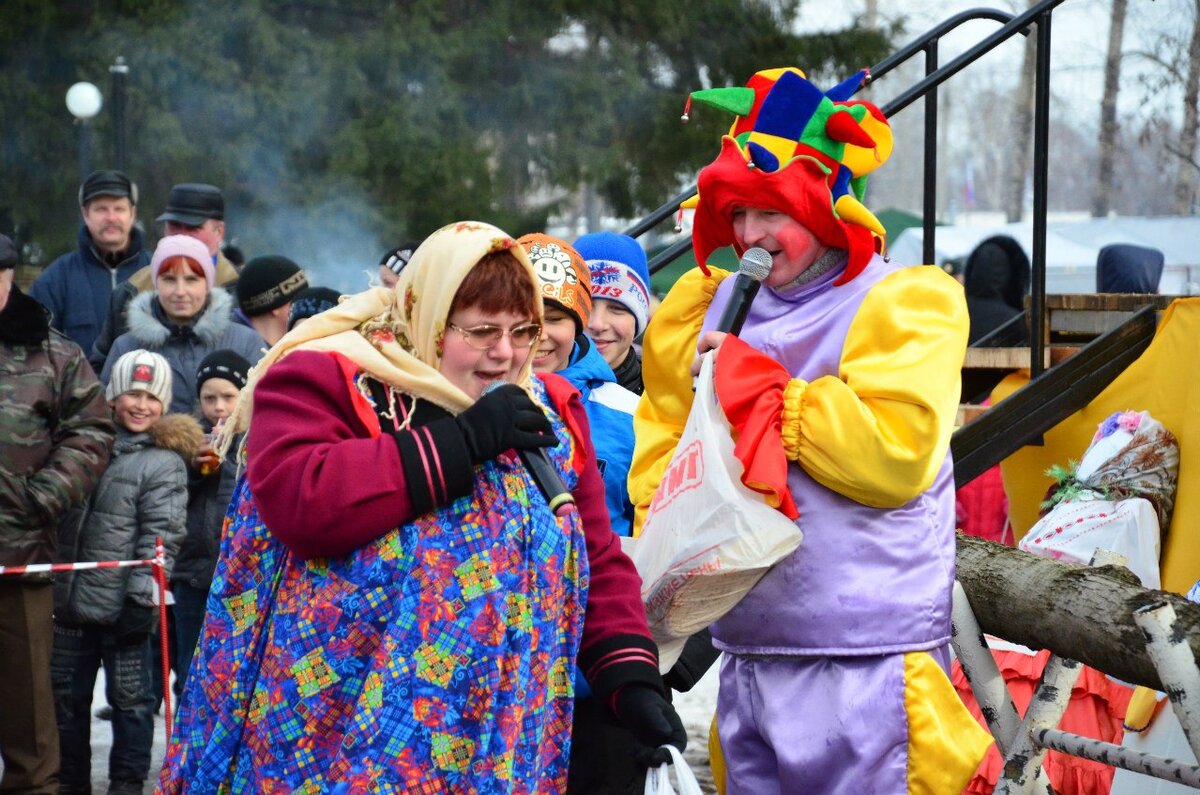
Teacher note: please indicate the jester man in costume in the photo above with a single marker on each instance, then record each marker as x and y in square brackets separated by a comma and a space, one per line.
[396, 608]
[842, 388]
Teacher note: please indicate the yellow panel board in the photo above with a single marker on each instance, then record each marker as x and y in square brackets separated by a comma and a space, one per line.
[1162, 381]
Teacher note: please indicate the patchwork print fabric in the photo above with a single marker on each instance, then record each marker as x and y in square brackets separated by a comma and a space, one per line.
[435, 659]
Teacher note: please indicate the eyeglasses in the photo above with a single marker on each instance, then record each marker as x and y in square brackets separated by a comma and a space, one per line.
[486, 337]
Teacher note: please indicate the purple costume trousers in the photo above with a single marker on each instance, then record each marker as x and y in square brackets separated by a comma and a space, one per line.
[815, 725]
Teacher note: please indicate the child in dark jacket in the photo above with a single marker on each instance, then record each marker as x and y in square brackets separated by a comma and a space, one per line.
[219, 379]
[104, 616]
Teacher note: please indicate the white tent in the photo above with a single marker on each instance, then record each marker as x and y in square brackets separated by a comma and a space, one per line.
[1071, 248]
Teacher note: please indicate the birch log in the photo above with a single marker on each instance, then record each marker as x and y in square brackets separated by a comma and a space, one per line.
[1084, 614]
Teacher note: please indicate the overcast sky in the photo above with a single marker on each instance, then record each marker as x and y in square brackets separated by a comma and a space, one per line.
[1079, 42]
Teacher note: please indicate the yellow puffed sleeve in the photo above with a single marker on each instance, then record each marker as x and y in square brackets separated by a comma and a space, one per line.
[668, 348]
[878, 432]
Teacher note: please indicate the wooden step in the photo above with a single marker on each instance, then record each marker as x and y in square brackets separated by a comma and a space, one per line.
[968, 412]
[1092, 314]
[999, 358]
[1014, 358]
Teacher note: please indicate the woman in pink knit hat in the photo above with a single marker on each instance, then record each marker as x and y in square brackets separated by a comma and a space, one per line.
[183, 318]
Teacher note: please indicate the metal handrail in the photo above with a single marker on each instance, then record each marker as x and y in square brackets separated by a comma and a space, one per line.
[1043, 403]
[926, 42]
[889, 63]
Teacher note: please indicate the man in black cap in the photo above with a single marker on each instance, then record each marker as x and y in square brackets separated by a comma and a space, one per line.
[196, 210]
[265, 291]
[193, 209]
[77, 286]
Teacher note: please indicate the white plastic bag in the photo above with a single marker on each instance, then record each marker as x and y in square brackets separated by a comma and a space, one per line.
[707, 538]
[658, 779]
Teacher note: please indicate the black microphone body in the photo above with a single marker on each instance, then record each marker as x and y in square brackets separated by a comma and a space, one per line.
[548, 482]
[755, 266]
[537, 463]
[742, 295]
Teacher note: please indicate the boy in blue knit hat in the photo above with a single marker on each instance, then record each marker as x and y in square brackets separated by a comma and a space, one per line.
[620, 301]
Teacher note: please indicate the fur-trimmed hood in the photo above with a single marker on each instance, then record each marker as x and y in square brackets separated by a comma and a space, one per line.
[179, 433]
[176, 433]
[148, 324]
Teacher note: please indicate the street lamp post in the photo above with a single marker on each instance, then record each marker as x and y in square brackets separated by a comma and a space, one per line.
[119, 70]
[84, 102]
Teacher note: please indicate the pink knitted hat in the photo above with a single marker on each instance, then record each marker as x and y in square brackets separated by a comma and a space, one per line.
[183, 246]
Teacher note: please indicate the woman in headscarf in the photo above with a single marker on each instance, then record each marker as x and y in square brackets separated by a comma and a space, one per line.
[396, 607]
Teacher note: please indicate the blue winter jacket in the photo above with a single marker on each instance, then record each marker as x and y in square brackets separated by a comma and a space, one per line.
[609, 408]
[77, 286]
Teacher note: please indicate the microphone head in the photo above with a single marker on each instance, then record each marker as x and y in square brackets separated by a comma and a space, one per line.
[756, 263]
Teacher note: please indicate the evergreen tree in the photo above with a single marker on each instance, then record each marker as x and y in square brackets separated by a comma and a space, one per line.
[356, 124]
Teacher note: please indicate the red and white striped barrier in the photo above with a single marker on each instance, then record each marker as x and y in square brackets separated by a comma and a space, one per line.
[41, 568]
[157, 564]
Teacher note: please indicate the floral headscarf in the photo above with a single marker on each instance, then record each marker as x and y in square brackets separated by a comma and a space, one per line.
[396, 335]
[1146, 466]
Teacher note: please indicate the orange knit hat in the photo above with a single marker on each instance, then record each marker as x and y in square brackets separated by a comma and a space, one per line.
[563, 274]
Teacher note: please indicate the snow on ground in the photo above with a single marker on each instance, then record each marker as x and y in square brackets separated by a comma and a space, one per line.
[696, 708]
[102, 743]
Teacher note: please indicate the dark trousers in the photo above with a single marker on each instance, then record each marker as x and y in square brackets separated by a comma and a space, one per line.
[189, 618]
[602, 754]
[28, 737]
[79, 651]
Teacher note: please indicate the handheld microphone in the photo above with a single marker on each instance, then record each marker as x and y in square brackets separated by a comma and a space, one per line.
[537, 464]
[754, 266]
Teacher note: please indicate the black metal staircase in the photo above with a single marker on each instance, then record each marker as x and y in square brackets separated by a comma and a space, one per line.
[1051, 394]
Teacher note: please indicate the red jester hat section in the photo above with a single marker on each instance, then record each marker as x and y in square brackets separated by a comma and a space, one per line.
[796, 150]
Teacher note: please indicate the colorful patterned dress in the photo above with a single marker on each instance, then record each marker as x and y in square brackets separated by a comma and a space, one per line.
[436, 658]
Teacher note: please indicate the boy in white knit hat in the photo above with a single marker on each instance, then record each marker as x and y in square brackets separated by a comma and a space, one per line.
[105, 616]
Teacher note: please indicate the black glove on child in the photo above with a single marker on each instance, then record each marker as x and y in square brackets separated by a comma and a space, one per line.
[652, 721]
[135, 623]
[504, 419]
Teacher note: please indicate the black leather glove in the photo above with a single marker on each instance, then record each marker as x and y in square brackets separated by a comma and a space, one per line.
[697, 657]
[652, 720]
[135, 622]
[504, 419]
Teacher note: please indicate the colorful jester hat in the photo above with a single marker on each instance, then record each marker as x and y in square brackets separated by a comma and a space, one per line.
[799, 151]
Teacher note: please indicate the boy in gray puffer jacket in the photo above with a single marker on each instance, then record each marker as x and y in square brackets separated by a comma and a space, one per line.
[104, 616]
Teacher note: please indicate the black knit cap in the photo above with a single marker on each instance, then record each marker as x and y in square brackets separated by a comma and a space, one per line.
[311, 301]
[395, 259]
[8, 253]
[227, 364]
[268, 283]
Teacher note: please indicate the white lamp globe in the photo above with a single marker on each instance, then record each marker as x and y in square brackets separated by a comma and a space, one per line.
[84, 101]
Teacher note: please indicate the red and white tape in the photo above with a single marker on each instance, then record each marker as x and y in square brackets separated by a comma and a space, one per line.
[157, 563]
[41, 568]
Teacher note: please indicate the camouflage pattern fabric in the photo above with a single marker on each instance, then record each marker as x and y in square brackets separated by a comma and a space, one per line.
[56, 433]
